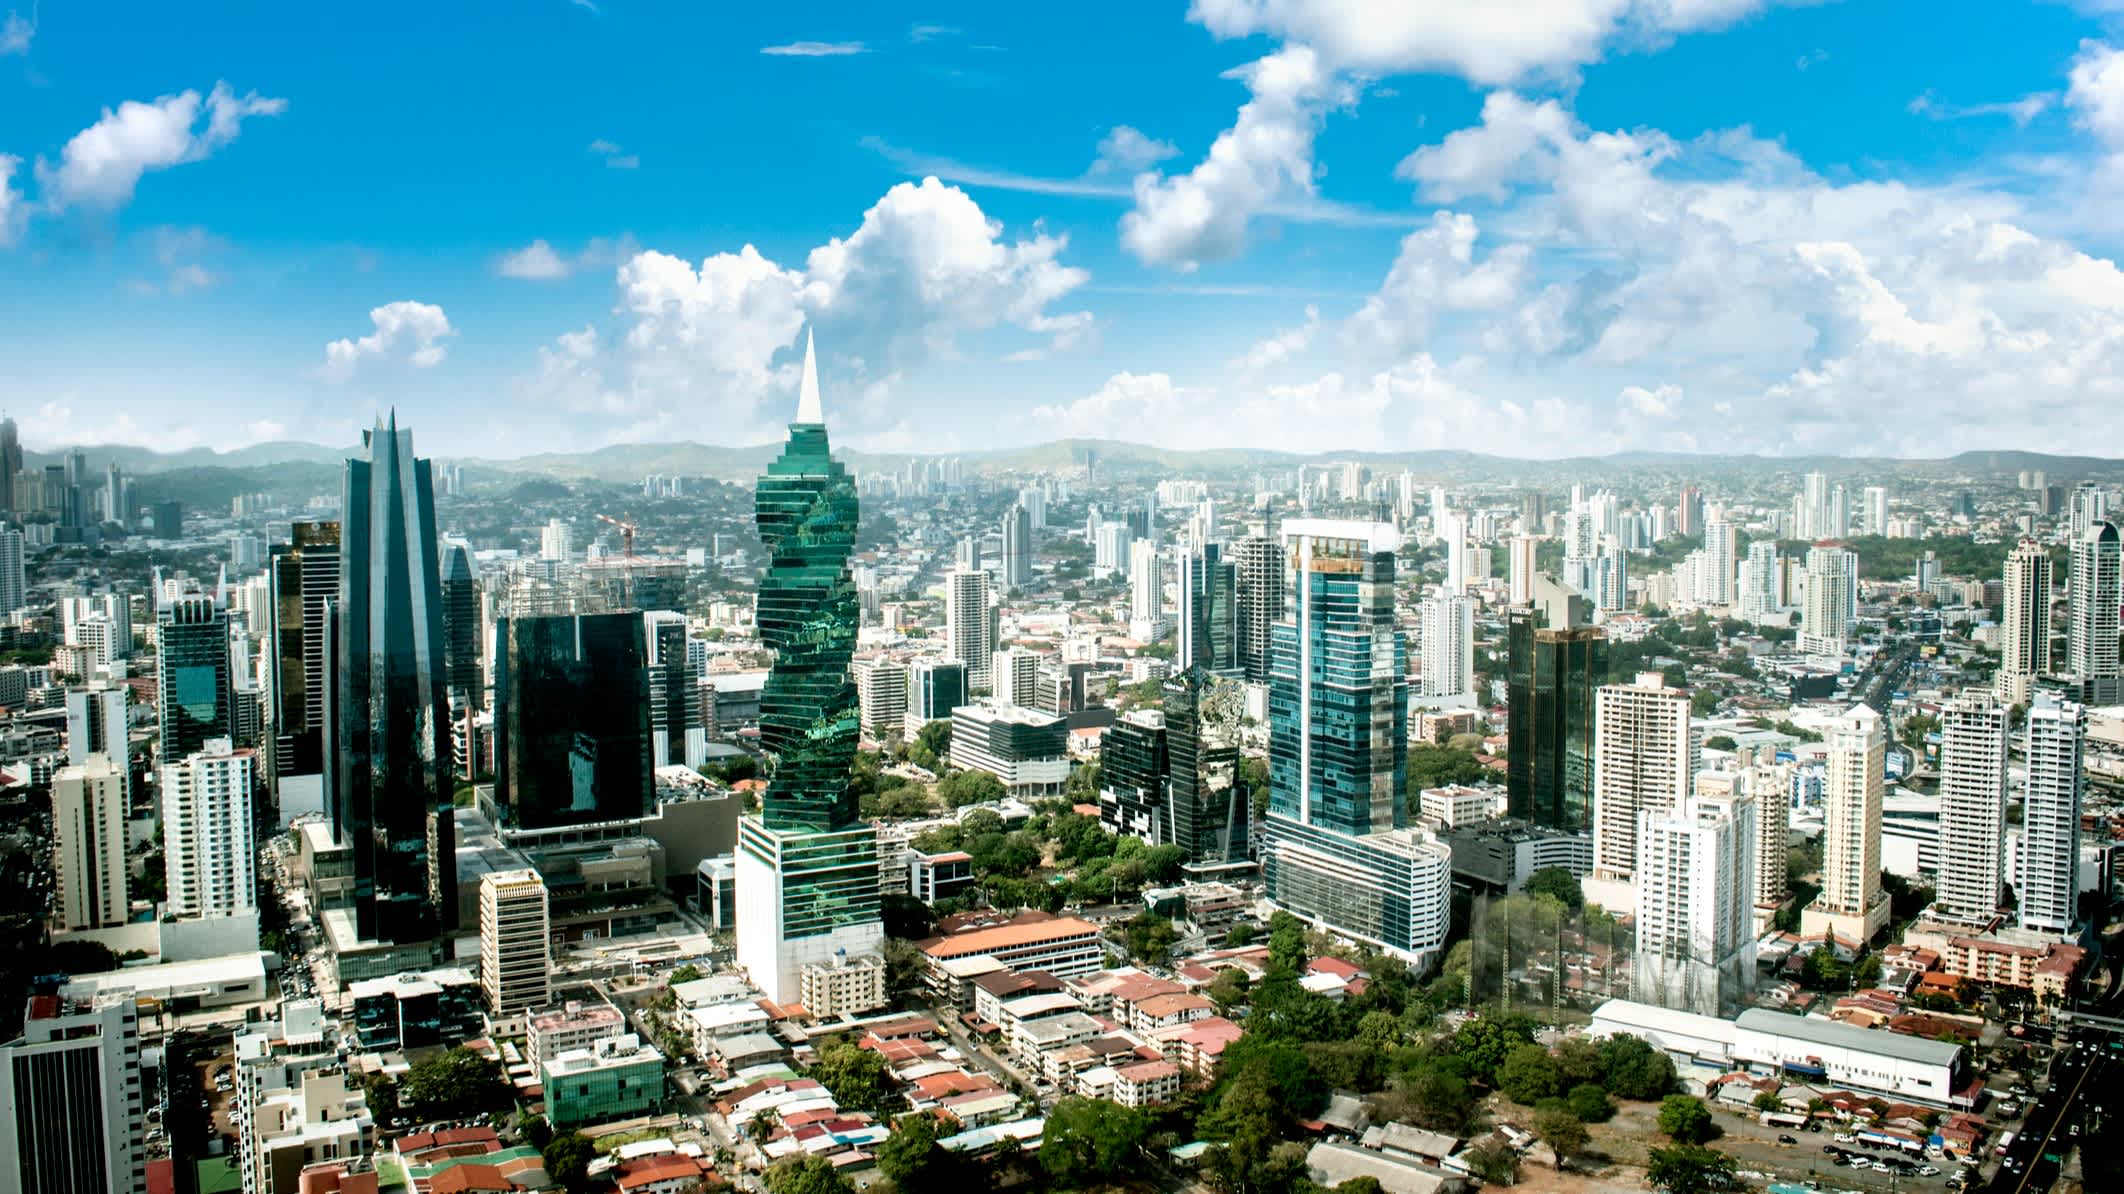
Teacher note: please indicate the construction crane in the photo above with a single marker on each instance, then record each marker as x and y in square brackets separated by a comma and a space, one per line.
[627, 527]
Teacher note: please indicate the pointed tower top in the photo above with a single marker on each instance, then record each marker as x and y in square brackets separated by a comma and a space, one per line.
[809, 409]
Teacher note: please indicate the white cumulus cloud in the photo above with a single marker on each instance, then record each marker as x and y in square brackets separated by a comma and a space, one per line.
[16, 33]
[103, 163]
[411, 330]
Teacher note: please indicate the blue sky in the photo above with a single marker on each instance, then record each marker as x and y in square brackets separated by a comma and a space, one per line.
[1709, 225]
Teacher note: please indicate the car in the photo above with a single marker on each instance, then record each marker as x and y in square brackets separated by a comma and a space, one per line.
[1832, 1150]
[1787, 1138]
[1846, 1138]
[1928, 1171]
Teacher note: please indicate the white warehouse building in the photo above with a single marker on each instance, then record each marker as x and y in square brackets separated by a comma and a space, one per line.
[1801, 1049]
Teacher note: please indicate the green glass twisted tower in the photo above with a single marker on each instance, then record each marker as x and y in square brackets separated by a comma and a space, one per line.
[807, 866]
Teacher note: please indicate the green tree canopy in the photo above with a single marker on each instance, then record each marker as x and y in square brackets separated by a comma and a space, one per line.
[459, 1082]
[1090, 1140]
[858, 1077]
[1686, 1119]
[1692, 1169]
[1528, 1074]
[1558, 882]
[807, 1175]
[1566, 1134]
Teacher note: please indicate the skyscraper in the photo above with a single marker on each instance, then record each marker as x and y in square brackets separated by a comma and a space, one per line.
[1825, 616]
[1641, 764]
[881, 695]
[209, 852]
[1770, 783]
[1017, 548]
[304, 574]
[1875, 509]
[1695, 905]
[571, 720]
[192, 666]
[1335, 849]
[10, 463]
[1519, 570]
[807, 866]
[969, 625]
[1446, 624]
[14, 580]
[2093, 597]
[463, 641]
[1014, 676]
[389, 789]
[1210, 810]
[556, 541]
[1261, 593]
[71, 1086]
[1758, 595]
[1972, 808]
[2024, 639]
[2046, 881]
[1208, 619]
[676, 734]
[1852, 904]
[1146, 590]
[1552, 678]
[515, 946]
[934, 688]
[88, 845]
[96, 720]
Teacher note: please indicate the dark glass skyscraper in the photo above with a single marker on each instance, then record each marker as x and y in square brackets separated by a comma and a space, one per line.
[305, 577]
[807, 866]
[389, 789]
[462, 676]
[1210, 813]
[571, 715]
[192, 666]
[1552, 679]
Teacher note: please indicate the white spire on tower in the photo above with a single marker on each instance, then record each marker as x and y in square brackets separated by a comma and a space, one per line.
[809, 409]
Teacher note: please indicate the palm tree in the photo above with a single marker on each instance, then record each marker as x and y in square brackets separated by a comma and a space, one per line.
[764, 1125]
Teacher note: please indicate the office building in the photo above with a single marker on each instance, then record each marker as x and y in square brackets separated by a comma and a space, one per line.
[71, 1091]
[1017, 548]
[1695, 904]
[2024, 638]
[970, 625]
[1210, 814]
[807, 882]
[934, 688]
[1642, 752]
[678, 734]
[1026, 749]
[1719, 563]
[1015, 676]
[209, 849]
[418, 1010]
[881, 696]
[1209, 609]
[1825, 615]
[1259, 560]
[1552, 678]
[1972, 833]
[1110, 550]
[10, 465]
[14, 581]
[1133, 766]
[192, 674]
[1146, 590]
[1447, 631]
[96, 721]
[464, 637]
[2046, 879]
[572, 708]
[1758, 591]
[389, 787]
[1519, 569]
[304, 575]
[617, 1077]
[89, 845]
[2093, 597]
[1852, 905]
[515, 941]
[1335, 847]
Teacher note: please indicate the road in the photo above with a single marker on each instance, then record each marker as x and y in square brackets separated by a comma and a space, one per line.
[2077, 1076]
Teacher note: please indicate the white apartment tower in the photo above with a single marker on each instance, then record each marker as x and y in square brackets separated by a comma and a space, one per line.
[96, 723]
[556, 541]
[2046, 881]
[1972, 808]
[1825, 615]
[1447, 628]
[881, 694]
[1640, 764]
[969, 624]
[1015, 676]
[75, 1107]
[209, 851]
[1771, 786]
[2024, 638]
[1851, 904]
[514, 941]
[1146, 590]
[1759, 597]
[88, 845]
[1695, 905]
[2093, 596]
[1715, 577]
[1519, 568]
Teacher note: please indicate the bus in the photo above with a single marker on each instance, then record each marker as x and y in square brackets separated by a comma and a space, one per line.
[1783, 1119]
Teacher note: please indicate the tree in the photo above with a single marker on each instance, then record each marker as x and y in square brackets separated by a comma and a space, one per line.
[1566, 1135]
[1632, 1069]
[855, 1075]
[903, 964]
[1089, 1140]
[1150, 937]
[1528, 1074]
[1496, 1164]
[1558, 882]
[1432, 766]
[568, 1159]
[1692, 1169]
[1486, 1040]
[684, 974]
[1590, 1103]
[807, 1175]
[911, 1157]
[459, 1082]
[1768, 1101]
[962, 788]
[1686, 1120]
[382, 1094]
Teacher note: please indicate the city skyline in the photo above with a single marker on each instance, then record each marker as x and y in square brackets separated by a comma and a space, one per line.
[1294, 223]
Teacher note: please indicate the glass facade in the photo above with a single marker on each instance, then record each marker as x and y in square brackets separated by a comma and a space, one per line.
[808, 615]
[829, 880]
[1338, 697]
[1132, 771]
[571, 712]
[389, 787]
[1393, 889]
[1210, 813]
[1552, 678]
[305, 578]
[192, 637]
[462, 673]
